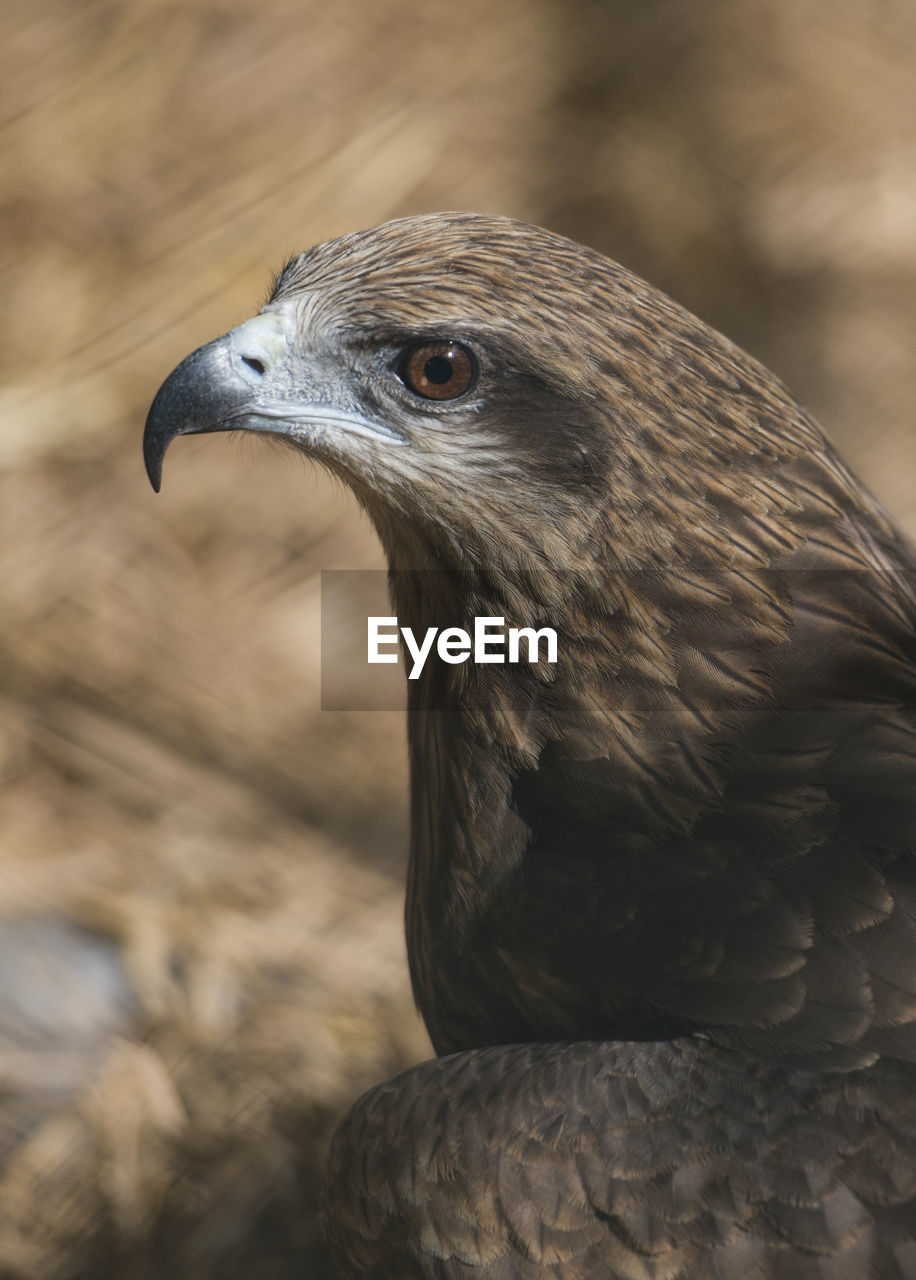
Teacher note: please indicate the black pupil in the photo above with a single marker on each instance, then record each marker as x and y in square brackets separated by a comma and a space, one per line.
[438, 370]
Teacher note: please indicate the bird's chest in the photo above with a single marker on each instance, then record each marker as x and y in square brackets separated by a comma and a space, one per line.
[518, 927]
[527, 872]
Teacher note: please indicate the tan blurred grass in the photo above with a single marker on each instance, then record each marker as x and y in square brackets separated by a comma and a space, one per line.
[169, 782]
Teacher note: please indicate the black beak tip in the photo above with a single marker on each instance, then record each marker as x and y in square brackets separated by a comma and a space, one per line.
[154, 471]
[153, 453]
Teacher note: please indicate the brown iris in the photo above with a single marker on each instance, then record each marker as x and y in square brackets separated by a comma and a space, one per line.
[438, 370]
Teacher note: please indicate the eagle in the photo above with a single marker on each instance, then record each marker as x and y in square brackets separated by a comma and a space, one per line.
[661, 897]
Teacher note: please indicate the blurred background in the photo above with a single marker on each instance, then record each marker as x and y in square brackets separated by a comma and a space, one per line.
[201, 960]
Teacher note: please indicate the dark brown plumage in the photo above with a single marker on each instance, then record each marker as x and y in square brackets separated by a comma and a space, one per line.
[662, 897]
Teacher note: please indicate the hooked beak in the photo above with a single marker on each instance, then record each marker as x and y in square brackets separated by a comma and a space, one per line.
[200, 395]
[250, 379]
[216, 388]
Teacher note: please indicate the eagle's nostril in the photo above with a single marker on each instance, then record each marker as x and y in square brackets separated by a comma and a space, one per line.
[253, 363]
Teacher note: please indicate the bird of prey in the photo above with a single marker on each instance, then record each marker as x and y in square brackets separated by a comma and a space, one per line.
[661, 901]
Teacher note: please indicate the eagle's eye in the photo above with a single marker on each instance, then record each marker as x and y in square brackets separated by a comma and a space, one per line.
[438, 370]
